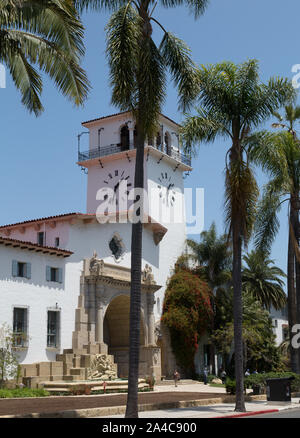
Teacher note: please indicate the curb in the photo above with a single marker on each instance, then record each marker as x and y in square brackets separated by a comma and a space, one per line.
[119, 410]
[248, 414]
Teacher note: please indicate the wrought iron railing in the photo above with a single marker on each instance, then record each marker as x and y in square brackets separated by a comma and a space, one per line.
[103, 151]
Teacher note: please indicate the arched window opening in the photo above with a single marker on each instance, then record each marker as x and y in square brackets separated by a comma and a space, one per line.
[124, 138]
[158, 141]
[167, 143]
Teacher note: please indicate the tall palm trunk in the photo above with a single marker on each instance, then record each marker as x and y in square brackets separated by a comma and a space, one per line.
[297, 261]
[236, 222]
[137, 236]
[135, 291]
[292, 269]
[237, 315]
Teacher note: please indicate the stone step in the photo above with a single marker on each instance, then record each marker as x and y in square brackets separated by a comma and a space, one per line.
[181, 381]
[110, 386]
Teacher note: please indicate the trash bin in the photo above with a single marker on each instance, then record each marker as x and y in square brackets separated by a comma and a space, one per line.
[279, 389]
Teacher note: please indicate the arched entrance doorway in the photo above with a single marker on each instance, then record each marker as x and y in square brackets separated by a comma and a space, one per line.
[116, 332]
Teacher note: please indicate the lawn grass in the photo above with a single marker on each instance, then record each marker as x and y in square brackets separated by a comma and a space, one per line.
[23, 392]
[217, 385]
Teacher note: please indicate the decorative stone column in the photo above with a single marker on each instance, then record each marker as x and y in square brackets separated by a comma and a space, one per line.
[100, 320]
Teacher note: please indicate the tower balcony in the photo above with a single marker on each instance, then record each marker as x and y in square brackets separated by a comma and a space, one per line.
[113, 149]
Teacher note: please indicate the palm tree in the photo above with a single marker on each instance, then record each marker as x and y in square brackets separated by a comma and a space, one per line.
[262, 281]
[50, 35]
[233, 102]
[291, 116]
[138, 79]
[279, 155]
[214, 254]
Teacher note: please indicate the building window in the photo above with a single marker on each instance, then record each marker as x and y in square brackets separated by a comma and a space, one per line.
[20, 327]
[275, 322]
[41, 238]
[21, 269]
[54, 274]
[57, 241]
[53, 329]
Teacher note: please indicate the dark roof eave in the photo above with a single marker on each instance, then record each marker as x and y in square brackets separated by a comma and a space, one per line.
[35, 247]
[121, 113]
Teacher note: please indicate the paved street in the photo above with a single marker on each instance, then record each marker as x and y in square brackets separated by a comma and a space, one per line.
[288, 413]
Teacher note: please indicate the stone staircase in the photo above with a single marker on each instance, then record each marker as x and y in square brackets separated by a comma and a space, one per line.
[70, 366]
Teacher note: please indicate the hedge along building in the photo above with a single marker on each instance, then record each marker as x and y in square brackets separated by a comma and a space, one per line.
[85, 277]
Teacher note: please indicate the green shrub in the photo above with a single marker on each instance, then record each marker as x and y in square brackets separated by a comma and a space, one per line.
[260, 379]
[230, 386]
[24, 392]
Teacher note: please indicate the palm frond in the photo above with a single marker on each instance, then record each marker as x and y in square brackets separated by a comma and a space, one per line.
[267, 223]
[177, 57]
[203, 127]
[151, 80]
[26, 79]
[96, 5]
[56, 21]
[123, 36]
[196, 6]
[48, 34]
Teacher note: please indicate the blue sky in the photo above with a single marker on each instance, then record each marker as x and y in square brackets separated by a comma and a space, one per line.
[39, 176]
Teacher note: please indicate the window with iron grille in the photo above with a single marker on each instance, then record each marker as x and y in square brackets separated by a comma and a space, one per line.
[53, 329]
[20, 326]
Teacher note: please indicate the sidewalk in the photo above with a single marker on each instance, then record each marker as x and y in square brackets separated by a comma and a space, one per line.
[218, 410]
[211, 410]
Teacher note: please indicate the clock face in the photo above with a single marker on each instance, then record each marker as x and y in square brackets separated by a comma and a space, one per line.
[166, 188]
[113, 180]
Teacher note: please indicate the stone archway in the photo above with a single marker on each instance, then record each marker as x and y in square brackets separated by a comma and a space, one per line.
[116, 332]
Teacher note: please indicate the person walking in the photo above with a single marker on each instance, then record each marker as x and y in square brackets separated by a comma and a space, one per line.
[223, 376]
[176, 377]
[205, 375]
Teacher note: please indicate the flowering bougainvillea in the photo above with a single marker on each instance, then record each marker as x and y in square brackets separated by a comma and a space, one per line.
[187, 312]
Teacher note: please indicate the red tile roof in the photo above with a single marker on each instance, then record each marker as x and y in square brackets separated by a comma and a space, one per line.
[60, 216]
[35, 247]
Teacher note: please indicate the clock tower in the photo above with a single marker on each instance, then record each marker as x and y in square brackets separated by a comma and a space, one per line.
[110, 164]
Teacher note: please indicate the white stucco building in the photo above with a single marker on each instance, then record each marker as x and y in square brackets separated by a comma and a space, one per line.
[65, 280]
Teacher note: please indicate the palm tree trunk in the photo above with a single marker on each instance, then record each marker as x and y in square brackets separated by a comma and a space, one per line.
[238, 315]
[292, 308]
[293, 283]
[135, 292]
[297, 263]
